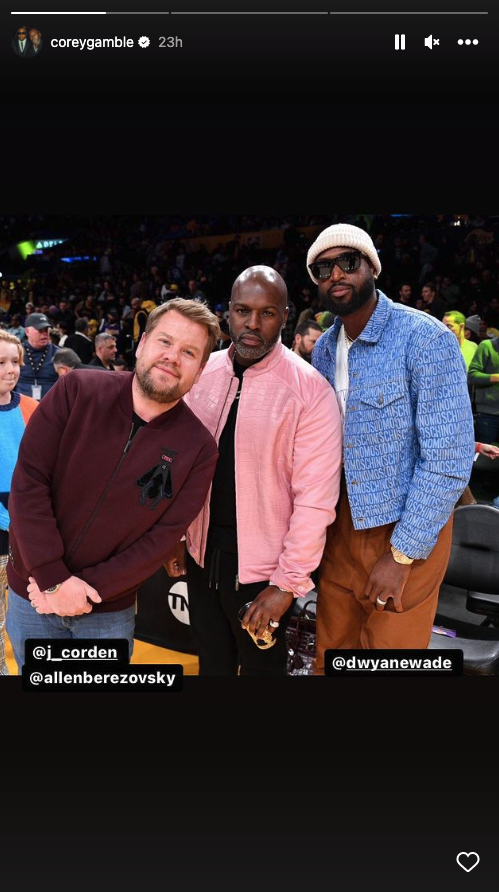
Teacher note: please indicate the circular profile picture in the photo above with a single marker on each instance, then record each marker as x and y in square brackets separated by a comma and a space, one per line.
[27, 42]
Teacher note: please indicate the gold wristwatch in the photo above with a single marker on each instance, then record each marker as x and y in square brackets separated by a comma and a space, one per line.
[400, 557]
[53, 589]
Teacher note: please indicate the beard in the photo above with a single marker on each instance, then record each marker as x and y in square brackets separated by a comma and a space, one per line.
[150, 389]
[305, 354]
[359, 297]
[253, 352]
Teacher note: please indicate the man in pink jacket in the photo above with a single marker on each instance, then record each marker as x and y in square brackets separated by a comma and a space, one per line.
[262, 530]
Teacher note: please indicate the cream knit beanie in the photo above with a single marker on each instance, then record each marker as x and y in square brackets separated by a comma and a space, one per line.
[342, 235]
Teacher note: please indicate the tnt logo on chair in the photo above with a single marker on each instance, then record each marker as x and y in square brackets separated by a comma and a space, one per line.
[178, 599]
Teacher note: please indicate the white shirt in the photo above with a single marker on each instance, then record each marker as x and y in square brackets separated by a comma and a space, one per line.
[341, 380]
[22, 44]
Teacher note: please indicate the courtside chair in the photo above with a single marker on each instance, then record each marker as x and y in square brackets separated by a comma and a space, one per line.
[470, 590]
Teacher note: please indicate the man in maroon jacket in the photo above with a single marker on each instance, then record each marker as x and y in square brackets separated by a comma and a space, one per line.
[108, 479]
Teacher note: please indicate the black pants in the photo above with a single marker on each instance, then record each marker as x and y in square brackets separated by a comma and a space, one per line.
[223, 645]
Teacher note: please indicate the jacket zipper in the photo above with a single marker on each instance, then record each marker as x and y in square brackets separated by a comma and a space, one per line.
[215, 435]
[103, 494]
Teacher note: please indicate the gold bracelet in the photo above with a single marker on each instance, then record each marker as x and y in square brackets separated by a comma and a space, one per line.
[284, 590]
[400, 557]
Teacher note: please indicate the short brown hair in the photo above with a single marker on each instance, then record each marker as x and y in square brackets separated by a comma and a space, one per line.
[196, 311]
[308, 325]
[11, 339]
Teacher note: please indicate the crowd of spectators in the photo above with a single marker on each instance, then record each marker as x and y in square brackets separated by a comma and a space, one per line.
[130, 264]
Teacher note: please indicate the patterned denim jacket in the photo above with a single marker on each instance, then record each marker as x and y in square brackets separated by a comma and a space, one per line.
[408, 441]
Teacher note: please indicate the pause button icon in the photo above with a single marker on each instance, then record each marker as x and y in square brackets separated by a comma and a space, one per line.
[400, 41]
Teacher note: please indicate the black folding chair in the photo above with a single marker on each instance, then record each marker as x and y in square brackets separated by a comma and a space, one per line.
[470, 590]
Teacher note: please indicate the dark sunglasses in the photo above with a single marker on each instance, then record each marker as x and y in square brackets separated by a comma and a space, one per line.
[348, 263]
[21, 32]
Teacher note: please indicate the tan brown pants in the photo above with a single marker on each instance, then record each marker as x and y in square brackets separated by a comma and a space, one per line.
[345, 617]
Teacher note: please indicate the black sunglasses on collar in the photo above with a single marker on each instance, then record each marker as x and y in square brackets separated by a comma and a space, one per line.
[348, 263]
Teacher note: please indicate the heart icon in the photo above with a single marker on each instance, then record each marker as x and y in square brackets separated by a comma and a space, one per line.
[468, 860]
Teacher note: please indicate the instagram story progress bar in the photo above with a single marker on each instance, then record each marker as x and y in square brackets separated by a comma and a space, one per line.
[232, 12]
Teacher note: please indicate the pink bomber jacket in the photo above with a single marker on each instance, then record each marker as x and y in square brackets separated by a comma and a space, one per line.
[288, 450]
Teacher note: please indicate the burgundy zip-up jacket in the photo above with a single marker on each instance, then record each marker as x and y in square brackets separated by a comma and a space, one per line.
[87, 502]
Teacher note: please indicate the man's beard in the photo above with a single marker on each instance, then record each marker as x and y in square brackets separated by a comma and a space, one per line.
[305, 354]
[359, 297]
[150, 389]
[253, 352]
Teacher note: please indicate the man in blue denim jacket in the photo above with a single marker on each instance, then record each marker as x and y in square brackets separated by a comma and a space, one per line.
[400, 381]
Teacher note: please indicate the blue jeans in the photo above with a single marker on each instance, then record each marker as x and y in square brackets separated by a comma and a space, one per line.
[486, 428]
[24, 622]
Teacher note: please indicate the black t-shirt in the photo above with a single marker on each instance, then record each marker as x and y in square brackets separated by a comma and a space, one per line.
[223, 521]
[138, 422]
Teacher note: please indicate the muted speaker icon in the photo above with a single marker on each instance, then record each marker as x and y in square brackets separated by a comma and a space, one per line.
[430, 42]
